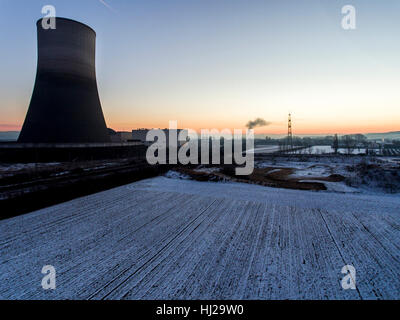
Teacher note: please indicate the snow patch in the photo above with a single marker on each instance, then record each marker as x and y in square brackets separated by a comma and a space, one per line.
[171, 174]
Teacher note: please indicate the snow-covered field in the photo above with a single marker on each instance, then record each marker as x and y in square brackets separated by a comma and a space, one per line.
[264, 149]
[329, 149]
[372, 181]
[24, 166]
[313, 150]
[166, 238]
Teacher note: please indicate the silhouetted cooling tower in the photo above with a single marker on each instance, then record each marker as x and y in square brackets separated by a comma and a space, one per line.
[65, 105]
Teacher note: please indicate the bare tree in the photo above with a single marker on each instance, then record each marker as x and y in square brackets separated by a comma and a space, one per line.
[349, 144]
[336, 143]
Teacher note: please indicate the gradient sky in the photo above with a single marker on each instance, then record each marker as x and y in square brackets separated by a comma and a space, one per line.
[220, 63]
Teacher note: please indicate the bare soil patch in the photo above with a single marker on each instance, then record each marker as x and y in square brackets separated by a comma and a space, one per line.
[269, 176]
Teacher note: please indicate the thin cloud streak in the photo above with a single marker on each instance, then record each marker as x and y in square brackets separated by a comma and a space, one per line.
[107, 5]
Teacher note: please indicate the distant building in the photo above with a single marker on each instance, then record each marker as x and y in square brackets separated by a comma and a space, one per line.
[139, 135]
[121, 136]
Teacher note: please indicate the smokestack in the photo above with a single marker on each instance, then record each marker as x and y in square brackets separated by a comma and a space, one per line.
[65, 105]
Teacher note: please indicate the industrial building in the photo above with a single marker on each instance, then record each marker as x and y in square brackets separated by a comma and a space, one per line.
[139, 135]
[120, 136]
[65, 105]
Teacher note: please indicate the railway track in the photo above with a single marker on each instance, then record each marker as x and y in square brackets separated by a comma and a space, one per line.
[25, 196]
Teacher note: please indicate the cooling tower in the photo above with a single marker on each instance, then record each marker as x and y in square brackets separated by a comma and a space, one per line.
[65, 105]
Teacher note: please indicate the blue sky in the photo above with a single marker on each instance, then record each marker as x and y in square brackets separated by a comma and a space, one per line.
[220, 63]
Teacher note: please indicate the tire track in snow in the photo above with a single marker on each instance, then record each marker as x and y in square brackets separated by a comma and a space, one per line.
[337, 247]
[158, 253]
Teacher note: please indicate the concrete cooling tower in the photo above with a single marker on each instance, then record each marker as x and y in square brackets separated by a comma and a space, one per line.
[65, 105]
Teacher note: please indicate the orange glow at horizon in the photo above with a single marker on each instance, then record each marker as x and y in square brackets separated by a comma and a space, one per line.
[281, 129]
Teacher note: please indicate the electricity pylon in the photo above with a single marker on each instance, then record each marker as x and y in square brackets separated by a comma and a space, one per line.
[290, 135]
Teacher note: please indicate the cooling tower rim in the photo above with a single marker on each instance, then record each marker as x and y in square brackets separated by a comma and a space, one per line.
[69, 20]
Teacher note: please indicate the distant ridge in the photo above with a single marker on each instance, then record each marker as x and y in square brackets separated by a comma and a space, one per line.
[9, 135]
[375, 135]
[384, 135]
[13, 135]
[390, 132]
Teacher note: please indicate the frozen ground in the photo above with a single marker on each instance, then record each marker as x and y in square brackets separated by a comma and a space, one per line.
[264, 149]
[166, 238]
[176, 175]
[317, 150]
[370, 175]
[4, 168]
[329, 149]
[13, 168]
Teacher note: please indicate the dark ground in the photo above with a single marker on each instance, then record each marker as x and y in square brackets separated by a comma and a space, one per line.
[31, 189]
